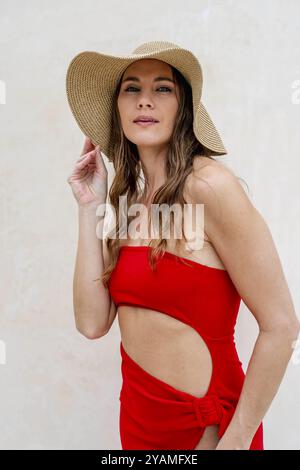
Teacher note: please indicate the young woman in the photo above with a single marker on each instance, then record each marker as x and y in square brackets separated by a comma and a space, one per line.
[184, 386]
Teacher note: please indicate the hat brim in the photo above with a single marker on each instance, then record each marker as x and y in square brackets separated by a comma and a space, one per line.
[91, 81]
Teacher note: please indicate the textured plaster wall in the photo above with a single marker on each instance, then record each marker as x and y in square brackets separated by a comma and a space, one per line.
[59, 389]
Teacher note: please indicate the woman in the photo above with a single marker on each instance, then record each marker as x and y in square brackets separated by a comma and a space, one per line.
[183, 383]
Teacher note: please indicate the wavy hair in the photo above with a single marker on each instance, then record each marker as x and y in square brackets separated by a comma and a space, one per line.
[128, 180]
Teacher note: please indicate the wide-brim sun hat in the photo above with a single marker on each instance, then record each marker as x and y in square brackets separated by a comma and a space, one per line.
[92, 78]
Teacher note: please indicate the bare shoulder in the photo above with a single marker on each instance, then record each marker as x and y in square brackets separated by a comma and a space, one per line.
[245, 245]
[212, 182]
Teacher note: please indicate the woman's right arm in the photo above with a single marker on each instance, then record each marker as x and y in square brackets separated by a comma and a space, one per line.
[91, 300]
[94, 310]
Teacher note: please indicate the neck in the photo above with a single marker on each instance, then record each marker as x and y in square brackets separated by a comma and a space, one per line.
[153, 166]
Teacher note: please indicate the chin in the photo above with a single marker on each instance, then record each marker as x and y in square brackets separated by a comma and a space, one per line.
[140, 141]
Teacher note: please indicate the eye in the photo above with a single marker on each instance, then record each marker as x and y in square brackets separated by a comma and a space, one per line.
[165, 87]
[127, 89]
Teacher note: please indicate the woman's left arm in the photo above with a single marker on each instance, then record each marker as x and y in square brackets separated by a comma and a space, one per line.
[245, 245]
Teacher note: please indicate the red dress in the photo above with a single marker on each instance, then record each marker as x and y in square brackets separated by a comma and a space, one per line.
[153, 414]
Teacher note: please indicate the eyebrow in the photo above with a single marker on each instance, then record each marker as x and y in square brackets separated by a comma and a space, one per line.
[157, 79]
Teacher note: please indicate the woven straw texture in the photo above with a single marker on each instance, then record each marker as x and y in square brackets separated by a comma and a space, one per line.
[92, 78]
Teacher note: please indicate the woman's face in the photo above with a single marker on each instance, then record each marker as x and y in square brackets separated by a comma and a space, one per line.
[150, 91]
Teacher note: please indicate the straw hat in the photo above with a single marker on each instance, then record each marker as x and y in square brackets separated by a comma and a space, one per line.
[92, 78]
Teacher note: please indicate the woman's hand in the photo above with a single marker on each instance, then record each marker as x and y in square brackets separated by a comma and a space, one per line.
[89, 177]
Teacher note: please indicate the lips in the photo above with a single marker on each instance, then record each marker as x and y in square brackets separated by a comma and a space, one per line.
[145, 123]
[142, 118]
[145, 120]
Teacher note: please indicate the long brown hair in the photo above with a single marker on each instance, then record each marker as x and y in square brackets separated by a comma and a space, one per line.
[183, 147]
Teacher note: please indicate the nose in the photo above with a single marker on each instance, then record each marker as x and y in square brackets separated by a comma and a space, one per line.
[144, 100]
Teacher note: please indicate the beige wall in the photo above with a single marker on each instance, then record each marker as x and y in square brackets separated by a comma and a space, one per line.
[58, 389]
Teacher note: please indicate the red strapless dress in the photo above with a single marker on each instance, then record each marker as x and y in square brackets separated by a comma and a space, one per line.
[153, 414]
